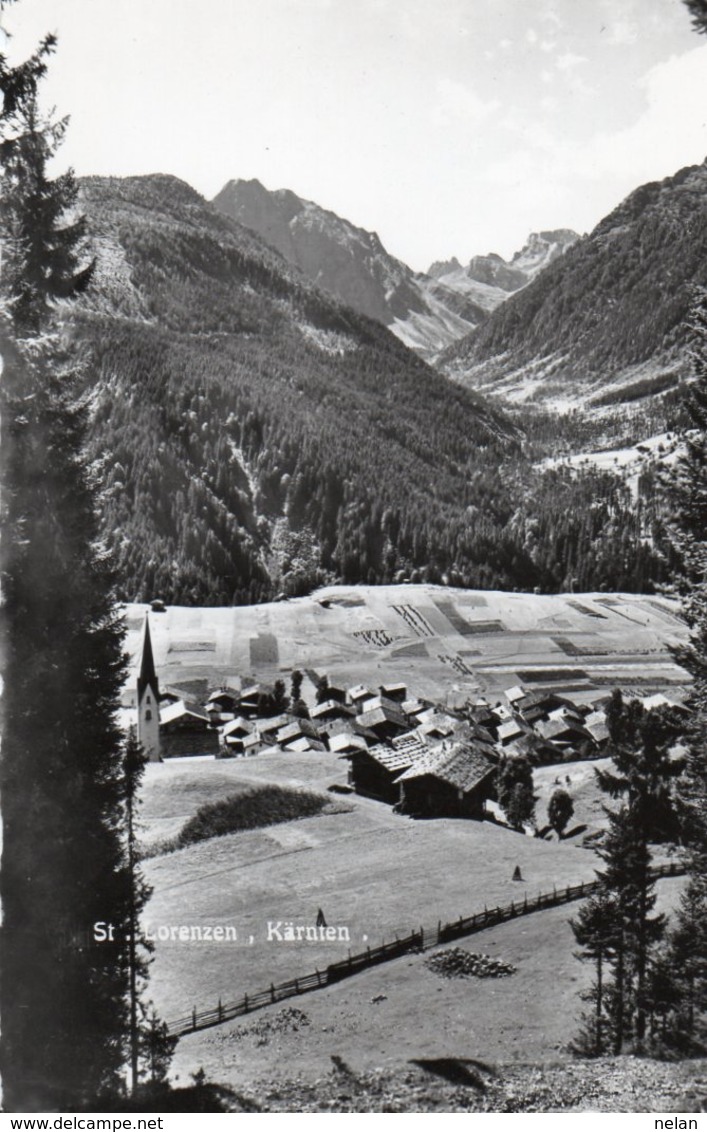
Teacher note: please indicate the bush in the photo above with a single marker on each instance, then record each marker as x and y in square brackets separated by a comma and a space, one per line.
[251, 809]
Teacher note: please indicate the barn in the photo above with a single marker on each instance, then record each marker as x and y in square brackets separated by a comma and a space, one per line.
[453, 780]
[374, 772]
[185, 729]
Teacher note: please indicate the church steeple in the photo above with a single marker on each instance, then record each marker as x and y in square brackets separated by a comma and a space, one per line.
[148, 700]
[148, 676]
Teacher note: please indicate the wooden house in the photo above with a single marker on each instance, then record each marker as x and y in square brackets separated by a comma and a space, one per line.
[345, 743]
[269, 727]
[329, 711]
[297, 729]
[185, 729]
[255, 700]
[221, 705]
[357, 695]
[396, 692]
[453, 780]
[385, 722]
[373, 772]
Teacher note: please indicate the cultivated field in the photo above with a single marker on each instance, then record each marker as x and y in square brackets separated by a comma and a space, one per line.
[446, 643]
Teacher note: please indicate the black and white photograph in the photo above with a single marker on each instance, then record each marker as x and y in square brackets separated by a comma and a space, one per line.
[353, 566]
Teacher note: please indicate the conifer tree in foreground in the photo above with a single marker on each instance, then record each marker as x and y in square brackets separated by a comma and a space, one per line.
[686, 488]
[64, 997]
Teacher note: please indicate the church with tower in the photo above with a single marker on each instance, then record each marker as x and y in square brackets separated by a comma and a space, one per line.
[148, 701]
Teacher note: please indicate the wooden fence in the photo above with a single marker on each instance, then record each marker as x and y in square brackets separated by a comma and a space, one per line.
[416, 941]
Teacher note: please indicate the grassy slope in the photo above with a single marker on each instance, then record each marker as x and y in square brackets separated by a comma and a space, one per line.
[391, 1015]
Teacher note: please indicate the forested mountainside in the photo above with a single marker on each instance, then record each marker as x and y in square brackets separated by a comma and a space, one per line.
[256, 436]
[607, 317]
[255, 433]
[353, 265]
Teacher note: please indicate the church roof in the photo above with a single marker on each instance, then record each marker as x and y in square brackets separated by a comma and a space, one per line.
[148, 675]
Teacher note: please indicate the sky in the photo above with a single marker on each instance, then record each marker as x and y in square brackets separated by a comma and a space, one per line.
[449, 127]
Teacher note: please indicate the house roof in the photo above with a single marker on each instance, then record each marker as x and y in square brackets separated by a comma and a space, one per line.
[462, 765]
[412, 706]
[344, 742]
[254, 690]
[238, 725]
[171, 712]
[411, 743]
[267, 726]
[331, 706]
[509, 728]
[359, 692]
[393, 761]
[595, 724]
[661, 700]
[304, 743]
[374, 718]
[222, 694]
[555, 729]
[297, 727]
[439, 724]
[396, 688]
[515, 693]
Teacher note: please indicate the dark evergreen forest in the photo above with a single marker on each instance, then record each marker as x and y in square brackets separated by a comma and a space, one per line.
[256, 437]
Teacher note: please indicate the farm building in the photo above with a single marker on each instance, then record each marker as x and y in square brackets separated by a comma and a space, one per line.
[268, 728]
[185, 729]
[396, 692]
[344, 743]
[511, 730]
[384, 722]
[222, 705]
[595, 723]
[255, 700]
[374, 773]
[564, 733]
[296, 730]
[244, 745]
[357, 696]
[452, 781]
[538, 706]
[329, 711]
[336, 692]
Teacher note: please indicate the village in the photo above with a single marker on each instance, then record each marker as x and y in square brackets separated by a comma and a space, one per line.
[422, 758]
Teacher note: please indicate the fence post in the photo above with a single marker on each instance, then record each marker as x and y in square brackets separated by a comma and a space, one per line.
[220, 1011]
[272, 992]
[296, 986]
[422, 938]
[525, 903]
[245, 1003]
[193, 1019]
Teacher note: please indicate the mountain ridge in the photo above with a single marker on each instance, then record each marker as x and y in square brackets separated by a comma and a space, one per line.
[256, 434]
[353, 264]
[608, 315]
